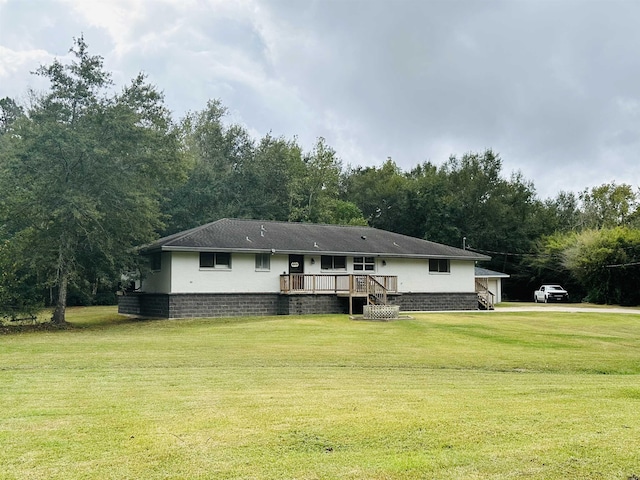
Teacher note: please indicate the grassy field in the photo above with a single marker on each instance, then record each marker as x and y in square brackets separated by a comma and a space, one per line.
[536, 395]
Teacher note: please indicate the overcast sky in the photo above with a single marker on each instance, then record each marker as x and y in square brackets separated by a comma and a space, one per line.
[552, 86]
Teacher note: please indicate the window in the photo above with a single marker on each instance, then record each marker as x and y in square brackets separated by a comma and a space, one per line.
[155, 261]
[215, 260]
[439, 265]
[364, 263]
[263, 261]
[330, 262]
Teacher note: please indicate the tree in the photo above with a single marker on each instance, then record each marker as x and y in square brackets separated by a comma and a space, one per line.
[217, 155]
[608, 205]
[601, 265]
[492, 212]
[383, 197]
[10, 111]
[230, 175]
[606, 262]
[547, 262]
[563, 212]
[19, 292]
[426, 212]
[269, 178]
[87, 167]
[314, 192]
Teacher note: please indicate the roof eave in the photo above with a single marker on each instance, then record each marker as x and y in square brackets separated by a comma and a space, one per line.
[172, 248]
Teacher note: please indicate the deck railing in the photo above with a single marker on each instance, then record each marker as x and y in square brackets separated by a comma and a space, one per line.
[338, 283]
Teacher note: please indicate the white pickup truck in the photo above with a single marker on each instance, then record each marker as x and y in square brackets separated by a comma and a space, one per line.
[550, 293]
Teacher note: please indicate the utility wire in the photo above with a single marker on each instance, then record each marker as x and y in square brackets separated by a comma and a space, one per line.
[511, 254]
[618, 265]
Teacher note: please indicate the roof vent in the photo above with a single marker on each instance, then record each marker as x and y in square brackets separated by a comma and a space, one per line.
[262, 230]
[364, 237]
[396, 244]
[315, 245]
[248, 239]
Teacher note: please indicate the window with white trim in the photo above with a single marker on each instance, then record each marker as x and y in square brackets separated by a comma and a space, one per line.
[263, 261]
[221, 260]
[439, 265]
[367, 264]
[333, 262]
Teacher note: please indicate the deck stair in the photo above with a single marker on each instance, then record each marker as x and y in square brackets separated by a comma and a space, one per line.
[369, 287]
[376, 292]
[485, 296]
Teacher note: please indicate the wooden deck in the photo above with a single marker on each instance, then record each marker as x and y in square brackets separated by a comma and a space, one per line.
[372, 287]
[338, 284]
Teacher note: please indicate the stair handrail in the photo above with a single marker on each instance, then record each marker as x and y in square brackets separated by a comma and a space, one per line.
[377, 289]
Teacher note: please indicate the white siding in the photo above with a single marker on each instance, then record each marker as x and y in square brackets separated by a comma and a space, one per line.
[159, 281]
[188, 277]
[414, 276]
[181, 273]
[495, 287]
[413, 273]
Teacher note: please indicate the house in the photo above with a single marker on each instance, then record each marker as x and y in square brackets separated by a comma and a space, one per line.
[489, 287]
[234, 267]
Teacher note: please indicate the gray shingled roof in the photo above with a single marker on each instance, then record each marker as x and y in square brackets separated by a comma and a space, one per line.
[485, 272]
[235, 235]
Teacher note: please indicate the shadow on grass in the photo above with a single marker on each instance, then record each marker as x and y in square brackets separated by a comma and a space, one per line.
[77, 318]
[100, 317]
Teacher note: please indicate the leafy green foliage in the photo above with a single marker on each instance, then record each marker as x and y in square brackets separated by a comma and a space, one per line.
[603, 265]
[382, 194]
[607, 263]
[20, 295]
[315, 191]
[562, 213]
[547, 263]
[216, 155]
[232, 176]
[466, 200]
[608, 205]
[10, 111]
[85, 175]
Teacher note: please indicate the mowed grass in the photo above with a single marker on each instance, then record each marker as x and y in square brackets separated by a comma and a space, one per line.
[537, 395]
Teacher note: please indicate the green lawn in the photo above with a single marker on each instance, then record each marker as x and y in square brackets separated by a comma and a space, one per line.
[536, 395]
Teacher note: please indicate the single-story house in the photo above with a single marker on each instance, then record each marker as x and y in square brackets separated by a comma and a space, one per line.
[234, 267]
[489, 287]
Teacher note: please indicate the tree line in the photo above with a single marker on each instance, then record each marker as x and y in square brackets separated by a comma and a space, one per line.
[87, 175]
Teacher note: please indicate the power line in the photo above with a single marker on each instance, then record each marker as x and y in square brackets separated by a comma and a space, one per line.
[618, 265]
[511, 254]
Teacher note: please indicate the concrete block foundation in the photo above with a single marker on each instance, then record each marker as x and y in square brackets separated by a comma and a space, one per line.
[197, 305]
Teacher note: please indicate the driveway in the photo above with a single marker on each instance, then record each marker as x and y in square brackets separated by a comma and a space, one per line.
[550, 307]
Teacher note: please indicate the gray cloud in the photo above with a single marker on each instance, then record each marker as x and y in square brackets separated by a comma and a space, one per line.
[550, 85]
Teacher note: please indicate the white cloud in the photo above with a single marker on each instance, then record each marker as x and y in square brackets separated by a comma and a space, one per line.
[15, 68]
[14, 62]
[117, 17]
